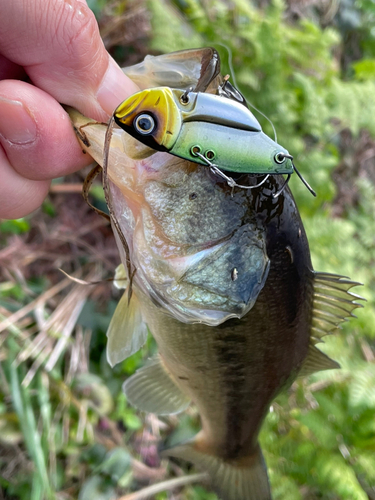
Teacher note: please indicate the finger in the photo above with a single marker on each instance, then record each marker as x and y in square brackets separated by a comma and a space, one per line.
[58, 43]
[18, 196]
[9, 69]
[36, 133]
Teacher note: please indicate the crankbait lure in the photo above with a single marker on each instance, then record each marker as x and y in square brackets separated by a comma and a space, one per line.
[209, 129]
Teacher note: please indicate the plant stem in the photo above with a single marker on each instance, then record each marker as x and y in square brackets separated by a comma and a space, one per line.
[165, 485]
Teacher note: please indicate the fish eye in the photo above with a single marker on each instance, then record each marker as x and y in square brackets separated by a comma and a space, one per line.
[280, 158]
[144, 124]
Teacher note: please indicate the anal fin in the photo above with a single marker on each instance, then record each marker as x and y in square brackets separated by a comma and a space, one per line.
[244, 478]
[316, 361]
[152, 390]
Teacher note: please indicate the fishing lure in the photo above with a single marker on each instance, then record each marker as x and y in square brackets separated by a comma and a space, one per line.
[218, 131]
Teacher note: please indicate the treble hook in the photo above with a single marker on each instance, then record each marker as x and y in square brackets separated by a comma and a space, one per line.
[278, 193]
[230, 181]
[280, 159]
[304, 181]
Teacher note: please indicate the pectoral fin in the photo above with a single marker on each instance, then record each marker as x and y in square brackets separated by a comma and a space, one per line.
[127, 332]
[152, 390]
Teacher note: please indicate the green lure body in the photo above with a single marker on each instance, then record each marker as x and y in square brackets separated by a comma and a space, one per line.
[204, 128]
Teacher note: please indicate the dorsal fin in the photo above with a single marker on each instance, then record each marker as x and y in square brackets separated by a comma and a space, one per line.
[333, 302]
[192, 68]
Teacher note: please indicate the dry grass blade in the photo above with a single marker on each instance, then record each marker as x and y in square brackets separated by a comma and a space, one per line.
[54, 337]
[81, 282]
[15, 317]
[79, 354]
[170, 484]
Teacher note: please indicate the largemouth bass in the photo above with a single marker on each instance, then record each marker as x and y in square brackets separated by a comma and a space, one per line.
[223, 279]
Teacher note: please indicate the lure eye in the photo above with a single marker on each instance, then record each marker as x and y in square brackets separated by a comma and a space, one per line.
[280, 158]
[144, 124]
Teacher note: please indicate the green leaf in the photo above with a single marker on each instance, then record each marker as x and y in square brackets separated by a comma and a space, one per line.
[115, 464]
[132, 422]
[15, 226]
[96, 487]
[364, 69]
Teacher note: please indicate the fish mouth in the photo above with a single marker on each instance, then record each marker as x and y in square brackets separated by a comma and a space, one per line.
[193, 275]
[195, 256]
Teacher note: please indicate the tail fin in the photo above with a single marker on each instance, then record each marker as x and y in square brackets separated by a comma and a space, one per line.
[241, 479]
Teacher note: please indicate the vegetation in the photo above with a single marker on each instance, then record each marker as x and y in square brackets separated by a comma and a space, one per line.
[66, 430]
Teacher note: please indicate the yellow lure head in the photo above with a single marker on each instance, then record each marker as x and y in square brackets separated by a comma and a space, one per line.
[152, 116]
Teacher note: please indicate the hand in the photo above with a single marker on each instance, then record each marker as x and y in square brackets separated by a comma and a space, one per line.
[56, 43]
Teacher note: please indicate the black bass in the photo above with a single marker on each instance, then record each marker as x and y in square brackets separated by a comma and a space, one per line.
[223, 279]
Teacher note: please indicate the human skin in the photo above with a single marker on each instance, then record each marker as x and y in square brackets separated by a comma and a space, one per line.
[56, 46]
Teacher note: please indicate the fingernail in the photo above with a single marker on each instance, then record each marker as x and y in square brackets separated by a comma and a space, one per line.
[115, 88]
[16, 122]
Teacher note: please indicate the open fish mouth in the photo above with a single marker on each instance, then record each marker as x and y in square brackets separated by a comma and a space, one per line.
[191, 243]
[193, 255]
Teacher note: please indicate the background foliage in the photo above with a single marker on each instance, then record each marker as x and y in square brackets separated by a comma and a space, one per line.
[66, 430]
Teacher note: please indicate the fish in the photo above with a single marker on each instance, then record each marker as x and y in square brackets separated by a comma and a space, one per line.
[222, 277]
